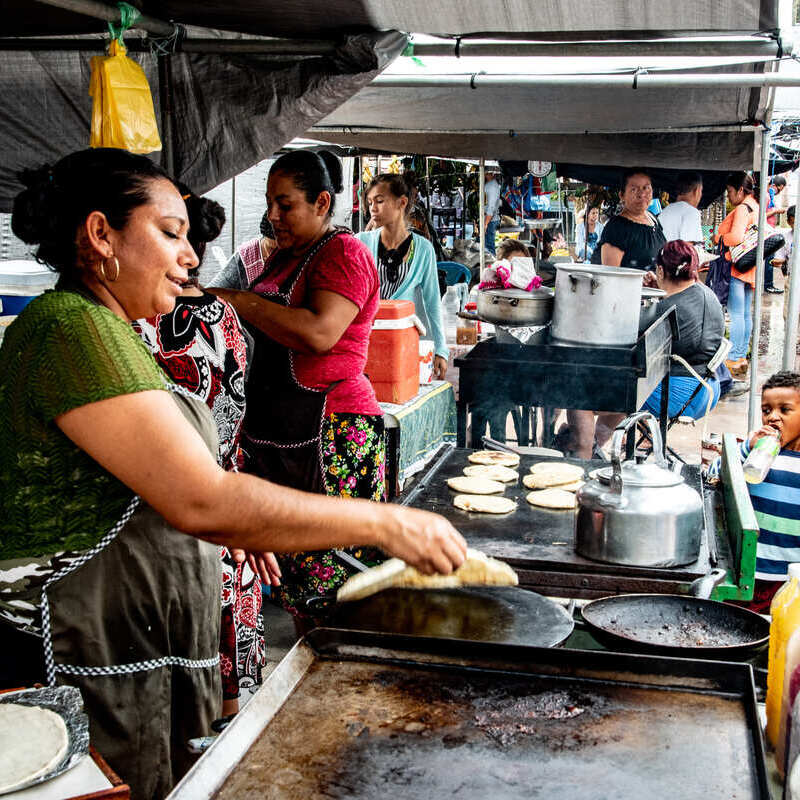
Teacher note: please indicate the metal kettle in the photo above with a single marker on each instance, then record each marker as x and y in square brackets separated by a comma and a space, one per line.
[641, 515]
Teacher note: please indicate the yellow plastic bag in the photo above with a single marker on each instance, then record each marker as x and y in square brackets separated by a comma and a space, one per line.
[122, 106]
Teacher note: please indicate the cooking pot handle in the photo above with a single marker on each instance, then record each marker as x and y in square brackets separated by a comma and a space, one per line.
[573, 279]
[616, 445]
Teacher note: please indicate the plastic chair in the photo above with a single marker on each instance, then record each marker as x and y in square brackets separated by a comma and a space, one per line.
[680, 419]
[454, 272]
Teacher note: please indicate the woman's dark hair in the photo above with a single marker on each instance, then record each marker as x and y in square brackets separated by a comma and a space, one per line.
[778, 180]
[312, 173]
[630, 172]
[782, 380]
[398, 185]
[679, 260]
[206, 221]
[58, 198]
[508, 247]
[741, 180]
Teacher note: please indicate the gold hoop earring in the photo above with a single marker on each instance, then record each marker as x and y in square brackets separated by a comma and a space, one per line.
[103, 269]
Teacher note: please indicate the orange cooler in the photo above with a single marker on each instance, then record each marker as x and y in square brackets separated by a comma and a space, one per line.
[393, 356]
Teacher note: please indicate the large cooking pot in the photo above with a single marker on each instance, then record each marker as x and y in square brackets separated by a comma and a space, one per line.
[596, 305]
[642, 515]
[516, 306]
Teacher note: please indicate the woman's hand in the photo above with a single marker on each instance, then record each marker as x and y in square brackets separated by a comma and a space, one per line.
[764, 430]
[421, 539]
[264, 565]
[224, 294]
[439, 367]
[650, 280]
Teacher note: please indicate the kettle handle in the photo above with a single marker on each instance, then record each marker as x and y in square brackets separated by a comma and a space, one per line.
[616, 445]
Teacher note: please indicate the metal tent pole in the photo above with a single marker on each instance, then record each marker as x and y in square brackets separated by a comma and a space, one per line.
[109, 13]
[793, 310]
[165, 106]
[482, 213]
[631, 80]
[754, 404]
[361, 193]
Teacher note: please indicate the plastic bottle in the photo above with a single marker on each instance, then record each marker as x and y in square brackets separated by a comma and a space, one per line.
[785, 613]
[451, 305]
[759, 462]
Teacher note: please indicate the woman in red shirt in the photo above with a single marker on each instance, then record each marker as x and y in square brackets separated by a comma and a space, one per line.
[312, 419]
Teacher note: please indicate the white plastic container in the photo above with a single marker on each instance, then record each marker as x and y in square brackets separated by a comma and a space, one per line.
[761, 457]
[21, 281]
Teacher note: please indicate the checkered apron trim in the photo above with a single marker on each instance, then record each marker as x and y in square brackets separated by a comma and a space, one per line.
[51, 668]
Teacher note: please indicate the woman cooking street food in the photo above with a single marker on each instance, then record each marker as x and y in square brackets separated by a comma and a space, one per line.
[406, 261]
[201, 346]
[105, 467]
[634, 237]
[312, 419]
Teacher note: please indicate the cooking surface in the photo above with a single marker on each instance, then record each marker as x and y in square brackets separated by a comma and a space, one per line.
[531, 537]
[362, 730]
[497, 614]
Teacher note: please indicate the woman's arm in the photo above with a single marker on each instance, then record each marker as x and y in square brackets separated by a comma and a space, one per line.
[145, 441]
[611, 256]
[431, 301]
[738, 225]
[313, 330]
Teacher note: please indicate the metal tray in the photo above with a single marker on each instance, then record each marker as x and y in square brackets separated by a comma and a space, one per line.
[366, 715]
[68, 703]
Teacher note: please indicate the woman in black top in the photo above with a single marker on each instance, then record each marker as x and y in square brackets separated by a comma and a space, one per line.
[634, 237]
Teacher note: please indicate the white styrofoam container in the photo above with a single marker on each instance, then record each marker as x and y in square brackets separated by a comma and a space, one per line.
[25, 278]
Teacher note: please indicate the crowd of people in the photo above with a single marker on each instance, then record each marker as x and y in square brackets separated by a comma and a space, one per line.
[170, 448]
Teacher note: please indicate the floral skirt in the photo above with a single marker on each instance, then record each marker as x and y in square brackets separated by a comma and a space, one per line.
[241, 646]
[354, 459]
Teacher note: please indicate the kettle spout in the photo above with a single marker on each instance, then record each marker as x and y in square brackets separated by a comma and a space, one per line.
[702, 587]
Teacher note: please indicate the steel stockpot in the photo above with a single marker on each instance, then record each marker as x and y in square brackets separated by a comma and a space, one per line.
[641, 515]
[516, 306]
[596, 305]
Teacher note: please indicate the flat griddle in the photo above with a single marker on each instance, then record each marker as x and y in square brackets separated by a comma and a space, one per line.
[359, 715]
[501, 614]
[540, 543]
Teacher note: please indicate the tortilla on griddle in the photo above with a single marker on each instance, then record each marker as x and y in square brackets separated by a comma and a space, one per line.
[494, 457]
[478, 569]
[556, 472]
[544, 482]
[495, 472]
[552, 498]
[475, 485]
[484, 503]
[33, 742]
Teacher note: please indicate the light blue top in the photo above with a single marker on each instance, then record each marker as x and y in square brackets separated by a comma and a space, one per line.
[492, 191]
[421, 286]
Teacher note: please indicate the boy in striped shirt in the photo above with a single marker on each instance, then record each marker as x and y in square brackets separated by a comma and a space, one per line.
[776, 501]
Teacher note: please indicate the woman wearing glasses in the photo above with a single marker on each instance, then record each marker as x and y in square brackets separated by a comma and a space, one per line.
[634, 237]
[406, 261]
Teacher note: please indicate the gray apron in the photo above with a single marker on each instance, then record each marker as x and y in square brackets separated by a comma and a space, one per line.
[135, 626]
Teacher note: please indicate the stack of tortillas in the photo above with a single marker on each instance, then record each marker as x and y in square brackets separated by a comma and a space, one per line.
[477, 493]
[478, 569]
[33, 742]
[554, 483]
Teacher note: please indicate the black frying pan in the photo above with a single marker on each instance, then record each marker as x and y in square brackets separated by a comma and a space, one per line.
[501, 614]
[677, 625]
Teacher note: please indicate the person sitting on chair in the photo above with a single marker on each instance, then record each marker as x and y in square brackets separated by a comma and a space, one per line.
[701, 325]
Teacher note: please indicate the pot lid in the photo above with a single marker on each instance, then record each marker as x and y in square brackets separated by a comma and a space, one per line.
[644, 475]
[542, 293]
[649, 292]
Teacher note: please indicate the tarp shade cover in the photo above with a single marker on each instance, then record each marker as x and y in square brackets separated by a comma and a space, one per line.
[229, 112]
[548, 19]
[678, 127]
